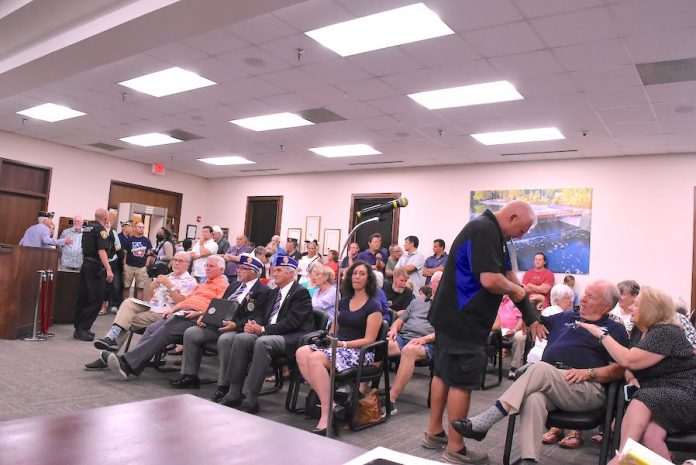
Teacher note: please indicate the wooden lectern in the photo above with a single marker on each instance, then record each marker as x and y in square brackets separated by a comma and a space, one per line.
[19, 280]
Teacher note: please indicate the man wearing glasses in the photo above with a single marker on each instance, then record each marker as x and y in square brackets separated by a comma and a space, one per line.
[167, 291]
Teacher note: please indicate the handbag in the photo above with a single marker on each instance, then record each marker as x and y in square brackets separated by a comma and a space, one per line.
[369, 409]
[157, 269]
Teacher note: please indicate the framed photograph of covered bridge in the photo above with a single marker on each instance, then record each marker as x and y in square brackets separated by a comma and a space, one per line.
[562, 232]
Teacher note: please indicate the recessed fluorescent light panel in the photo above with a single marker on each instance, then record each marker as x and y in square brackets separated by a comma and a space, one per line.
[151, 139]
[387, 29]
[354, 150]
[514, 137]
[167, 82]
[475, 94]
[274, 121]
[51, 112]
[230, 160]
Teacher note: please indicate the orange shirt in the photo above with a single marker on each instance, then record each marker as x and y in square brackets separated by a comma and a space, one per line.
[203, 293]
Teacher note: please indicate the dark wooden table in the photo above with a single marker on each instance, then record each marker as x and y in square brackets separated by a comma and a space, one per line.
[178, 430]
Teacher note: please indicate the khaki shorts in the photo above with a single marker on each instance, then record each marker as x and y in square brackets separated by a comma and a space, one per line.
[132, 272]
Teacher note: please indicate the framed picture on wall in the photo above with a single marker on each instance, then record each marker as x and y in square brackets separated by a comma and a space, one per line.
[191, 231]
[332, 240]
[295, 233]
[313, 224]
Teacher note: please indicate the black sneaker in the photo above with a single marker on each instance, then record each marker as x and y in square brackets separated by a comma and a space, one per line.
[82, 335]
[106, 343]
[98, 364]
[219, 394]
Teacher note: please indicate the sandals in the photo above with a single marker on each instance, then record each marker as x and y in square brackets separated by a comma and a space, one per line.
[573, 440]
[597, 439]
[552, 436]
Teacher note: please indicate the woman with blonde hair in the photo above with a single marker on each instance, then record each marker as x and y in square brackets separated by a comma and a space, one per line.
[662, 364]
[324, 299]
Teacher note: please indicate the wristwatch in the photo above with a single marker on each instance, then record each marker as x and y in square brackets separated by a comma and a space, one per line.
[592, 373]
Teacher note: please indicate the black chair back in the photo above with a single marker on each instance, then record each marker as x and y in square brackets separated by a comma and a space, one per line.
[321, 319]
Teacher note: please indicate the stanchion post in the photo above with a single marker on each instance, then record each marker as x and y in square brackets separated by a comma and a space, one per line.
[34, 335]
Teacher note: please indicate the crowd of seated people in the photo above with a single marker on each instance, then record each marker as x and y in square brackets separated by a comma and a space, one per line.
[572, 364]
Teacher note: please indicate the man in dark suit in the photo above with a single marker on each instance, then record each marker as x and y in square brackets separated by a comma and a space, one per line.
[289, 317]
[251, 295]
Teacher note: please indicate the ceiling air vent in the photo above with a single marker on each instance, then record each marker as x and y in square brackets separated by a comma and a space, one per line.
[664, 72]
[366, 163]
[182, 135]
[320, 115]
[514, 154]
[259, 170]
[107, 147]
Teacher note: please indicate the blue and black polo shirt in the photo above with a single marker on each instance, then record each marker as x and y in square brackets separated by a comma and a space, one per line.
[462, 307]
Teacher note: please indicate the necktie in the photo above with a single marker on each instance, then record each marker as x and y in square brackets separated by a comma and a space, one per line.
[276, 306]
[238, 292]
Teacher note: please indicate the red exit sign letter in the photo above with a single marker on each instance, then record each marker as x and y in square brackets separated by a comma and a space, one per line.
[158, 168]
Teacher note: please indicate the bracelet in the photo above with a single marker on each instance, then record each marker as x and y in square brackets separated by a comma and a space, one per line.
[601, 338]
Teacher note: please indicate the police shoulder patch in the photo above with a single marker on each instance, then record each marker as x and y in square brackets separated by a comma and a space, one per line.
[104, 234]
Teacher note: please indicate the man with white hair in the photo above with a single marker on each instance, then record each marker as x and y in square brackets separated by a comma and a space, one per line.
[412, 336]
[250, 297]
[39, 234]
[220, 239]
[176, 320]
[71, 254]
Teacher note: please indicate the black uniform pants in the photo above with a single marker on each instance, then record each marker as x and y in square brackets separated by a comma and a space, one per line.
[90, 295]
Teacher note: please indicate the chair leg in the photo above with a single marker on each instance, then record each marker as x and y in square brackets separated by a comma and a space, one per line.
[128, 341]
[508, 439]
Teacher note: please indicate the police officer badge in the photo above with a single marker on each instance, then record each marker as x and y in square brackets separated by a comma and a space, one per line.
[212, 310]
[104, 234]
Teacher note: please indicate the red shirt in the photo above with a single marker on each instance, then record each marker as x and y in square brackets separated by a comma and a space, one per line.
[538, 278]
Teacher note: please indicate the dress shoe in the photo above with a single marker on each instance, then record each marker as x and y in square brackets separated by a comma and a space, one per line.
[464, 427]
[106, 343]
[99, 363]
[218, 394]
[82, 335]
[186, 382]
[322, 432]
[252, 409]
[118, 365]
[236, 403]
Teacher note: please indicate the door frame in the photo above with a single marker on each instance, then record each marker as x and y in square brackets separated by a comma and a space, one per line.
[279, 212]
[352, 220]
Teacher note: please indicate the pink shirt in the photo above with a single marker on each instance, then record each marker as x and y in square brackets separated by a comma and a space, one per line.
[508, 314]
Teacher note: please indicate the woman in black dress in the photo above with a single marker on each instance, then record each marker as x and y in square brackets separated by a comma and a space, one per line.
[359, 321]
[661, 362]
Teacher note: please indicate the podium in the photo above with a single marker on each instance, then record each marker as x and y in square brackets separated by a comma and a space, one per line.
[19, 277]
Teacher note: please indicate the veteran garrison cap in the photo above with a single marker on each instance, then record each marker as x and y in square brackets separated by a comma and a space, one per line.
[249, 261]
[284, 260]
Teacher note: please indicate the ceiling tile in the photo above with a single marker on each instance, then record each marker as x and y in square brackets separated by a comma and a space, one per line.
[631, 96]
[254, 61]
[537, 8]
[336, 71]
[440, 50]
[634, 129]
[286, 49]
[255, 87]
[616, 77]
[414, 81]
[504, 40]
[392, 105]
[527, 64]
[683, 111]
[216, 70]
[576, 27]
[598, 54]
[177, 54]
[470, 72]
[474, 14]
[662, 46]
[672, 92]
[385, 61]
[216, 42]
[368, 89]
[641, 16]
[351, 110]
[313, 14]
[262, 29]
[550, 84]
[292, 80]
[627, 114]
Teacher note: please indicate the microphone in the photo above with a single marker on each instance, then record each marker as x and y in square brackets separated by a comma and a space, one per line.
[384, 208]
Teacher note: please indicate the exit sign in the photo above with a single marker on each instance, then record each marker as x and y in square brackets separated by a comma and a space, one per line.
[158, 168]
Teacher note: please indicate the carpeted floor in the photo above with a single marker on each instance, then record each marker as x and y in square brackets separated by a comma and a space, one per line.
[44, 378]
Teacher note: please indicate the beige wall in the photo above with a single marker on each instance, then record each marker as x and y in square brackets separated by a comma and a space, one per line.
[81, 179]
[642, 218]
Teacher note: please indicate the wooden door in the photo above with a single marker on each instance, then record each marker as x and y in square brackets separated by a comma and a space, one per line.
[263, 217]
[389, 228]
[24, 191]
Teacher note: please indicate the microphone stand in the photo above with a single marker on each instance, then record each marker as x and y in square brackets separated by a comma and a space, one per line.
[334, 341]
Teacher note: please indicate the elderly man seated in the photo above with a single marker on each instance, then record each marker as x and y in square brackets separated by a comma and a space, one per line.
[289, 316]
[175, 321]
[167, 291]
[412, 337]
[570, 376]
[251, 296]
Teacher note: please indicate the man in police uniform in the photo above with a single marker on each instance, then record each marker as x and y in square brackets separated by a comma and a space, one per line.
[94, 274]
[477, 274]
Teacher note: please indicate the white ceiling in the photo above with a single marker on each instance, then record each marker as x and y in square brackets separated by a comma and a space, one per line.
[573, 61]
